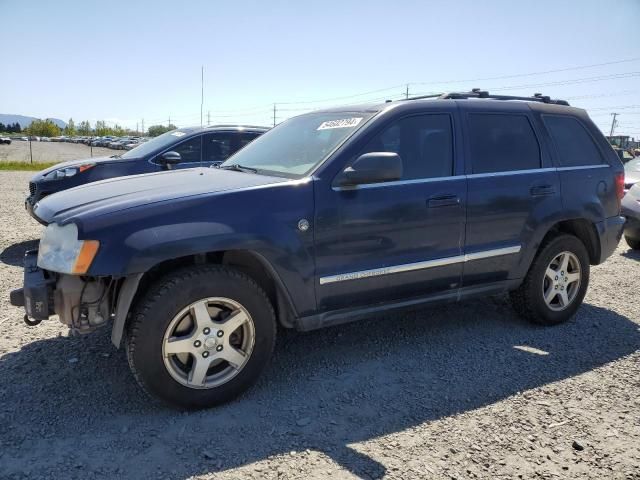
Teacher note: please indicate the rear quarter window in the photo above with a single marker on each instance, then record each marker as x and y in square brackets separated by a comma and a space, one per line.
[502, 143]
[574, 145]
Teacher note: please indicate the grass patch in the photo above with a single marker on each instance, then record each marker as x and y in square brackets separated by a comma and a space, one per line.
[26, 166]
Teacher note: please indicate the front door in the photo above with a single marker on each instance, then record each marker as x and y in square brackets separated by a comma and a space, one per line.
[390, 241]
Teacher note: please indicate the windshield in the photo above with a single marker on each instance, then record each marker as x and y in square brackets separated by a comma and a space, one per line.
[296, 146]
[158, 143]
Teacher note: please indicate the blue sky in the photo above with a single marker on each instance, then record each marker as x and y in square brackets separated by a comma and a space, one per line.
[125, 61]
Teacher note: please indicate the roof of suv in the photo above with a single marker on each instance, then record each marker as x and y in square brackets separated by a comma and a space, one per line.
[538, 102]
[226, 128]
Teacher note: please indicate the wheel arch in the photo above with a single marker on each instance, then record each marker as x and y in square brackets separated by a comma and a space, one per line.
[249, 262]
[581, 228]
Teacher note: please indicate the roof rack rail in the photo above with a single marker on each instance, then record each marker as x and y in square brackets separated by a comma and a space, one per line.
[478, 93]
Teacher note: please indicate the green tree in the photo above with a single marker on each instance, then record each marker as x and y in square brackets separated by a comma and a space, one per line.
[4, 128]
[43, 128]
[70, 129]
[84, 128]
[101, 129]
[155, 130]
[16, 128]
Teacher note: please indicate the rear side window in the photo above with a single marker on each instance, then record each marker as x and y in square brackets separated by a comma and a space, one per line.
[502, 143]
[573, 143]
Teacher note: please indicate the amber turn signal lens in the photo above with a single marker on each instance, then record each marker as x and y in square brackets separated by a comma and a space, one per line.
[85, 257]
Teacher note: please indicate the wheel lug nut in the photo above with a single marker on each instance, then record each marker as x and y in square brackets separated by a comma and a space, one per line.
[220, 333]
[556, 287]
[219, 348]
[556, 277]
[206, 331]
[197, 343]
[205, 354]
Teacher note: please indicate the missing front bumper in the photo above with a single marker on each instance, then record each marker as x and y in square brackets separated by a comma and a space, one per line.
[36, 296]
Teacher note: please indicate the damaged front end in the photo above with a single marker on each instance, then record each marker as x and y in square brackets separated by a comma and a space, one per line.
[82, 303]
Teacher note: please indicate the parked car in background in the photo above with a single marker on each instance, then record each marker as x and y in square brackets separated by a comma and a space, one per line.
[182, 148]
[23, 139]
[330, 217]
[631, 173]
[5, 141]
[624, 155]
[631, 211]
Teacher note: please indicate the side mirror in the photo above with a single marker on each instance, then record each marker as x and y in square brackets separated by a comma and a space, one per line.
[374, 167]
[169, 159]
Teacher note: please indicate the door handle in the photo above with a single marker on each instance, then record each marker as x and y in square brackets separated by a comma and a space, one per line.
[443, 201]
[538, 190]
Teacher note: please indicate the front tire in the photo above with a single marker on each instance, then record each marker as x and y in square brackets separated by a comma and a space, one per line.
[200, 336]
[634, 243]
[556, 283]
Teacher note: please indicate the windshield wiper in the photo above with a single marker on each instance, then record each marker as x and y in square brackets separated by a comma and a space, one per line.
[238, 168]
[115, 156]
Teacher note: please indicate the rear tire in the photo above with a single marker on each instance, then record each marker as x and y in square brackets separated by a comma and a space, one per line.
[200, 336]
[553, 290]
[634, 243]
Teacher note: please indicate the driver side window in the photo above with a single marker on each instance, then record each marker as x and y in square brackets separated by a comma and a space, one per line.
[424, 143]
[190, 150]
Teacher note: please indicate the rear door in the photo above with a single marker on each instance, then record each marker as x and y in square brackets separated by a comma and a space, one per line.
[512, 188]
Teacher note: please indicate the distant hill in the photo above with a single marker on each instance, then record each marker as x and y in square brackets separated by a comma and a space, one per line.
[25, 121]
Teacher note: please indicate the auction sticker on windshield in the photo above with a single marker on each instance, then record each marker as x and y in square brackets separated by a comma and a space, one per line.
[341, 123]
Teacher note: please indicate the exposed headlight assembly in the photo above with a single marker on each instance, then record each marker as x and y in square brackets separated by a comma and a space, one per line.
[61, 251]
[68, 171]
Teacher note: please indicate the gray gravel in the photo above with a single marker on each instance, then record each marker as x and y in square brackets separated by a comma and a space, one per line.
[460, 391]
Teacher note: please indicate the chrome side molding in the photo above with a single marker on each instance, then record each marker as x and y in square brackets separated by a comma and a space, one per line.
[409, 267]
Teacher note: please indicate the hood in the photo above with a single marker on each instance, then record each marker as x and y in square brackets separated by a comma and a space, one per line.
[121, 193]
[75, 163]
[632, 172]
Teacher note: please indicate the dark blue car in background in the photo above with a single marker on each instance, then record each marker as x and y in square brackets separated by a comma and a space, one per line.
[181, 148]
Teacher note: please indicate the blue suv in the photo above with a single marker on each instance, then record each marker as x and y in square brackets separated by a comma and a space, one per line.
[181, 148]
[332, 216]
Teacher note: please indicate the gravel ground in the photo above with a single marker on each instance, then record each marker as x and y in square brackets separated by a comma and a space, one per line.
[461, 391]
[51, 151]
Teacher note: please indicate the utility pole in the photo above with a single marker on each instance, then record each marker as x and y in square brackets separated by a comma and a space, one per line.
[208, 118]
[274, 114]
[137, 131]
[143, 127]
[201, 92]
[613, 124]
[406, 95]
[169, 120]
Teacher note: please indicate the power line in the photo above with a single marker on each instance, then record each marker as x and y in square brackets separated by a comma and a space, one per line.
[519, 75]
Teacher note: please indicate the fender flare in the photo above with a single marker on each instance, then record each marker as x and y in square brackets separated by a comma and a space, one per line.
[125, 297]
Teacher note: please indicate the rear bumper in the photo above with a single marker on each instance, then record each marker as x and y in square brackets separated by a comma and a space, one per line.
[610, 232]
[631, 211]
[632, 227]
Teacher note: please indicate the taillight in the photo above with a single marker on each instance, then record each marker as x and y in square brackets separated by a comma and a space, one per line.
[619, 187]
